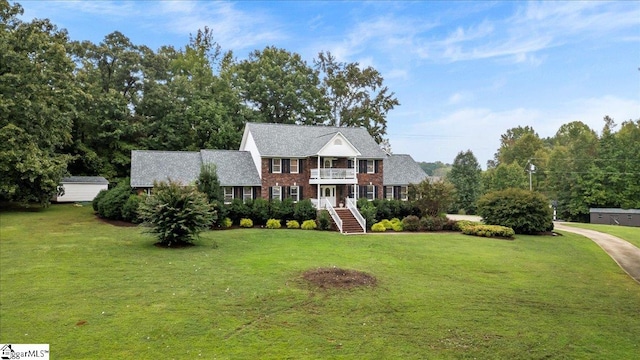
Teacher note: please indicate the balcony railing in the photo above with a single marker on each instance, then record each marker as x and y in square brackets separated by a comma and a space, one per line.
[333, 173]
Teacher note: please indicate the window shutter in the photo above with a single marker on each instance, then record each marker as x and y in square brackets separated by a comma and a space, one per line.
[286, 192]
[237, 192]
[286, 166]
[375, 166]
[270, 166]
[362, 191]
[300, 197]
[300, 162]
[270, 192]
[396, 192]
[362, 166]
[256, 191]
[375, 191]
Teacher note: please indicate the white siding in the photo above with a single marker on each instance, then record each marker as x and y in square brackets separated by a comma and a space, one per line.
[80, 192]
[250, 146]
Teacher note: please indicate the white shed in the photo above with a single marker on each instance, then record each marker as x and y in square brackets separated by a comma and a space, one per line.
[81, 188]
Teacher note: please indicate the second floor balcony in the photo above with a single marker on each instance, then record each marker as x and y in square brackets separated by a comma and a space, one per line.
[333, 176]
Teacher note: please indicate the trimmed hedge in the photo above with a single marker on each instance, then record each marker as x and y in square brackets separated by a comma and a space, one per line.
[292, 224]
[411, 223]
[246, 223]
[526, 212]
[489, 231]
[378, 227]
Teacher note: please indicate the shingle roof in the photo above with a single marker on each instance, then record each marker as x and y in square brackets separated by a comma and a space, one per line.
[284, 140]
[614, 211]
[401, 169]
[234, 168]
[96, 180]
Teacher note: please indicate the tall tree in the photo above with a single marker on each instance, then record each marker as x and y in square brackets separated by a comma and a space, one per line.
[465, 176]
[504, 177]
[518, 144]
[37, 105]
[357, 96]
[281, 87]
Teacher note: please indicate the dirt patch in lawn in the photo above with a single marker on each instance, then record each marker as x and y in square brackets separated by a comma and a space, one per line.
[337, 278]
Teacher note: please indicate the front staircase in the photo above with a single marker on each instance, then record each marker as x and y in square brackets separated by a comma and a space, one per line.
[349, 223]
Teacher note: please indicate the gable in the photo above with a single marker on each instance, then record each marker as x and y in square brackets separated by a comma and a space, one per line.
[339, 146]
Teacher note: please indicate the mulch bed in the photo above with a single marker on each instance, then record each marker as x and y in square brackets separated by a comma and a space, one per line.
[337, 278]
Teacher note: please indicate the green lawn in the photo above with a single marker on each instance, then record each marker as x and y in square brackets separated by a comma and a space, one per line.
[628, 233]
[92, 290]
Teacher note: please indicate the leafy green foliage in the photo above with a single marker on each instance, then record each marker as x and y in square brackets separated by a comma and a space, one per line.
[96, 201]
[176, 214]
[282, 209]
[432, 198]
[432, 223]
[324, 220]
[238, 209]
[504, 177]
[111, 205]
[226, 222]
[466, 178]
[130, 209]
[304, 210]
[524, 211]
[386, 223]
[209, 184]
[309, 225]
[260, 211]
[489, 231]
[274, 224]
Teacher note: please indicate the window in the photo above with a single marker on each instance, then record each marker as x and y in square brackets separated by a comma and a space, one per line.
[371, 166]
[276, 193]
[328, 163]
[247, 193]
[276, 166]
[371, 192]
[294, 192]
[389, 192]
[228, 194]
[404, 193]
[294, 166]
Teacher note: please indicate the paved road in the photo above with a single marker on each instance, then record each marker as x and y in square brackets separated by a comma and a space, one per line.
[626, 255]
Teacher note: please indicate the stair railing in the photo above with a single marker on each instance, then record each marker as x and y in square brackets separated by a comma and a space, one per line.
[351, 205]
[333, 213]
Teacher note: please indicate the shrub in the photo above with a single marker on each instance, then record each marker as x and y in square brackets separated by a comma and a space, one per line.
[176, 213]
[397, 227]
[309, 225]
[526, 212]
[282, 209]
[303, 210]
[273, 224]
[378, 227]
[449, 225]
[246, 223]
[432, 223]
[226, 222]
[460, 225]
[386, 223]
[324, 220]
[209, 184]
[238, 210]
[97, 199]
[411, 223]
[432, 198]
[489, 231]
[110, 204]
[292, 224]
[260, 211]
[130, 209]
[368, 212]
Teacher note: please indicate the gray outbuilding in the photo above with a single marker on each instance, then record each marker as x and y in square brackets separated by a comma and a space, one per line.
[623, 217]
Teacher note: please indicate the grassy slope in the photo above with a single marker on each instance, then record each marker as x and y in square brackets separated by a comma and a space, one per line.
[439, 295]
[631, 234]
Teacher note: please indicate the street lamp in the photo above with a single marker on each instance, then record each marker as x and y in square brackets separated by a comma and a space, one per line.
[531, 169]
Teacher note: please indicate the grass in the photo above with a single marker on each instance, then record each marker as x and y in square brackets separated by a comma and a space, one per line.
[92, 291]
[628, 233]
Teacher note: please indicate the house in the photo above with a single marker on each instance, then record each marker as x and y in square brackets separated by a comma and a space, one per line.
[332, 166]
[81, 188]
[623, 217]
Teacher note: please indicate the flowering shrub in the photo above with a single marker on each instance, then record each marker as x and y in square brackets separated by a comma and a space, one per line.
[226, 222]
[489, 231]
[378, 227]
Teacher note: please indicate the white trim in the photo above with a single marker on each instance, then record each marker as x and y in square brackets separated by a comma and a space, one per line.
[244, 193]
[273, 193]
[404, 192]
[372, 192]
[346, 149]
[224, 194]
[273, 166]
[386, 192]
[297, 197]
[373, 166]
[291, 166]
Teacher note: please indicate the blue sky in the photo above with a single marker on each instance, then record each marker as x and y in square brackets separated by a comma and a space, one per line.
[464, 72]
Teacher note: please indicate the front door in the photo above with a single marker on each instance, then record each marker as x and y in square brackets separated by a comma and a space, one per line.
[329, 192]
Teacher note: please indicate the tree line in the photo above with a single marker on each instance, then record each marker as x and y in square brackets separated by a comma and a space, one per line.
[76, 107]
[576, 169]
